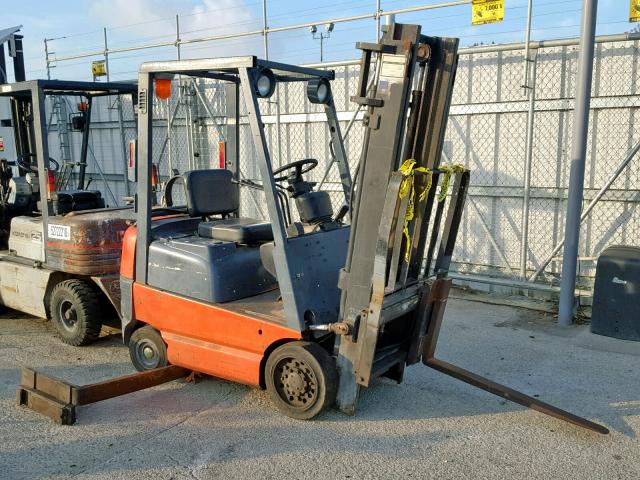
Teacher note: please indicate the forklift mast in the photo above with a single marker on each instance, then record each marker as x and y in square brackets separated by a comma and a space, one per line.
[384, 277]
[20, 107]
[394, 283]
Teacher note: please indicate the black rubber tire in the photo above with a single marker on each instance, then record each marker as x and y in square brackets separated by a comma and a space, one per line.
[147, 337]
[76, 311]
[315, 367]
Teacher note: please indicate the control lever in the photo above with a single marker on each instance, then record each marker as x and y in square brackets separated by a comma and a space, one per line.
[341, 213]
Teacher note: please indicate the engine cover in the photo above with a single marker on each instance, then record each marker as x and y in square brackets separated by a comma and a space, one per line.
[25, 238]
[87, 242]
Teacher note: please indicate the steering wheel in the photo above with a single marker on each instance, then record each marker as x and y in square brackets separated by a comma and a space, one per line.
[311, 163]
[20, 161]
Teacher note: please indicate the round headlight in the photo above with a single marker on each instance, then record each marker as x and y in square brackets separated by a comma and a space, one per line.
[318, 90]
[265, 83]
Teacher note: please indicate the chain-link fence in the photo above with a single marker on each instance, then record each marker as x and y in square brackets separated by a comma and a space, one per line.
[512, 229]
[112, 126]
[514, 226]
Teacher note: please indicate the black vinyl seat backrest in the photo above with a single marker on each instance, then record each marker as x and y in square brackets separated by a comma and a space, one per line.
[210, 192]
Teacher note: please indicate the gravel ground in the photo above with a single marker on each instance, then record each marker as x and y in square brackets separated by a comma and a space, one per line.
[431, 426]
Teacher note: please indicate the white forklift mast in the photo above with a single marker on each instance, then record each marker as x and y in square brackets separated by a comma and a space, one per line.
[13, 50]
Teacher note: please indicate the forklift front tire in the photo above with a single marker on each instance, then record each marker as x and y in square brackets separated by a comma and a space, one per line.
[147, 349]
[76, 312]
[302, 379]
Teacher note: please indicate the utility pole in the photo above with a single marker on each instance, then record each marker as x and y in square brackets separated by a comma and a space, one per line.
[578, 160]
[322, 36]
[47, 54]
[46, 58]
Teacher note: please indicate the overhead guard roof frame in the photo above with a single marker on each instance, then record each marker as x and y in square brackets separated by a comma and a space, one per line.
[232, 65]
[67, 87]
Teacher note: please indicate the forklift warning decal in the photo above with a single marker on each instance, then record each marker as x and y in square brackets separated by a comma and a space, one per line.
[60, 232]
[634, 10]
[487, 11]
[391, 71]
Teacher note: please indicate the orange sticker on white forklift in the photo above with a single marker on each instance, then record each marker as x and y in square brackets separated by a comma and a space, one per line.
[486, 11]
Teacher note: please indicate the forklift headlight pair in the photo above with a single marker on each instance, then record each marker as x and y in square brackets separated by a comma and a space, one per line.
[318, 90]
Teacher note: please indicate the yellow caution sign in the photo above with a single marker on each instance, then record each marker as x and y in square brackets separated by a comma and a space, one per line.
[488, 11]
[99, 68]
[634, 10]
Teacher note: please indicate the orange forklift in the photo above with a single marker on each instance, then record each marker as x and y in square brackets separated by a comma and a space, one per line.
[313, 307]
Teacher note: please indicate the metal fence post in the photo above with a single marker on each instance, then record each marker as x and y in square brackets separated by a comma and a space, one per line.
[527, 40]
[578, 160]
[265, 29]
[125, 164]
[169, 115]
[526, 199]
[123, 141]
[177, 37]
[378, 10]
[106, 52]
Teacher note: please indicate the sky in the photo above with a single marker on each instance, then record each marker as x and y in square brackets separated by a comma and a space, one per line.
[77, 27]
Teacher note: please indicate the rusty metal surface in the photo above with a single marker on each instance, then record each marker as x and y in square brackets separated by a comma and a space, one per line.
[94, 242]
[64, 414]
[57, 399]
[51, 386]
[438, 299]
[438, 302]
[110, 286]
[513, 395]
[115, 387]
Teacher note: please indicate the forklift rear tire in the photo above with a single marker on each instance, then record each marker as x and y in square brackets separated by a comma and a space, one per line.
[302, 379]
[76, 311]
[147, 349]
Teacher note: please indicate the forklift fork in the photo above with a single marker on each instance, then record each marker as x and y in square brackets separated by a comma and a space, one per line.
[438, 297]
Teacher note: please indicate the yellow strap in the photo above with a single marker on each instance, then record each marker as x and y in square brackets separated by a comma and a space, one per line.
[407, 187]
[449, 170]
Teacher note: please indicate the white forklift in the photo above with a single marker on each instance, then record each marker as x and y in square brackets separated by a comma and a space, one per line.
[60, 243]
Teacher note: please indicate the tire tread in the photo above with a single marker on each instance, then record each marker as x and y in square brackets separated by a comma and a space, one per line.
[89, 301]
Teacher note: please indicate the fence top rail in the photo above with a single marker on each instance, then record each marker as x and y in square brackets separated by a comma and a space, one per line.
[263, 31]
[505, 47]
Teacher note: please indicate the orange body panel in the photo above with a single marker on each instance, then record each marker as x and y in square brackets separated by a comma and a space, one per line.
[207, 338]
[128, 258]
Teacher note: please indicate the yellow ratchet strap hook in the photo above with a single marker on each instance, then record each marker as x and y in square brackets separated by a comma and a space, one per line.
[408, 170]
[448, 171]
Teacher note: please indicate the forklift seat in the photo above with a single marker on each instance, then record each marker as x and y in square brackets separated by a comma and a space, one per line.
[248, 231]
[212, 192]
